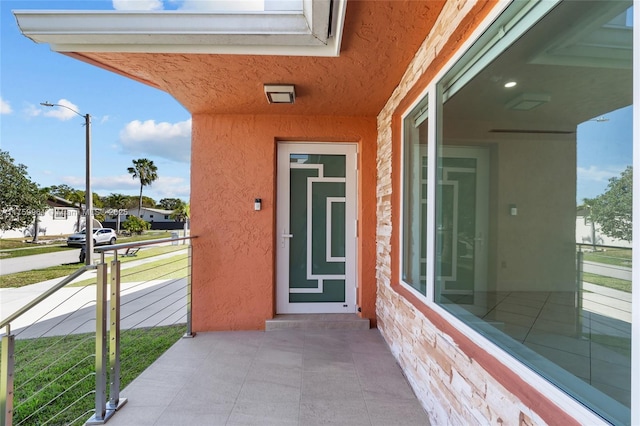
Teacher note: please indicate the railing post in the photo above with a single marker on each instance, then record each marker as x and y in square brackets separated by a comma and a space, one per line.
[99, 416]
[579, 289]
[189, 332]
[6, 379]
[115, 402]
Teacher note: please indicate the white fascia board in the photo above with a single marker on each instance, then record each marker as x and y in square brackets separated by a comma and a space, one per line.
[273, 33]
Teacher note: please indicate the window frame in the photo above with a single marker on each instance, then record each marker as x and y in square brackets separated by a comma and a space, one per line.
[419, 101]
[62, 216]
[434, 93]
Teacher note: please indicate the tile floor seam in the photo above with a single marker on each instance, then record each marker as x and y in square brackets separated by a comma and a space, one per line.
[302, 370]
[366, 404]
[244, 379]
[175, 395]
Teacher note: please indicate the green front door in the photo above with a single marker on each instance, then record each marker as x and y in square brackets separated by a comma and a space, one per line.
[462, 221]
[316, 228]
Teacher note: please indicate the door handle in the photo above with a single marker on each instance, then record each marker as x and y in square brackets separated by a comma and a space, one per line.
[284, 237]
[480, 240]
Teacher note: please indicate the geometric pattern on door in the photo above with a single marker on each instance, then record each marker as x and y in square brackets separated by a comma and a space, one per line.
[316, 228]
[317, 262]
[462, 221]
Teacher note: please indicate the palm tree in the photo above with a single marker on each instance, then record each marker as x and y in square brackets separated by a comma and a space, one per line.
[146, 172]
[117, 202]
[181, 211]
[182, 214]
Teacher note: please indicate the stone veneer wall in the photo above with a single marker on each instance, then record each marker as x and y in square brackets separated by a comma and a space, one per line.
[452, 386]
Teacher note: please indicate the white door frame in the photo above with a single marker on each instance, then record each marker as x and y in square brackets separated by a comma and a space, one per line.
[283, 235]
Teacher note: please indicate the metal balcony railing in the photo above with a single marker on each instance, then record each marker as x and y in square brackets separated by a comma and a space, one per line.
[66, 355]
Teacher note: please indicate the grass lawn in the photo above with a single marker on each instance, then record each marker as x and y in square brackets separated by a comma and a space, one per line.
[163, 269]
[16, 247]
[54, 381]
[618, 257]
[615, 283]
[21, 279]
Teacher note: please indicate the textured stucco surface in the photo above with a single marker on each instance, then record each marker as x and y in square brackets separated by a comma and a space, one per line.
[233, 162]
[380, 38]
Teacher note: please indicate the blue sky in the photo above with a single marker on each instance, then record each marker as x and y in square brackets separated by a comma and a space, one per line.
[605, 149]
[129, 120]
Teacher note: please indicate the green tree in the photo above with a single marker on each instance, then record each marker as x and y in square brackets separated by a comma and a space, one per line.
[77, 198]
[117, 202]
[148, 201]
[612, 210]
[146, 172]
[136, 225]
[170, 203]
[44, 195]
[181, 212]
[61, 191]
[20, 198]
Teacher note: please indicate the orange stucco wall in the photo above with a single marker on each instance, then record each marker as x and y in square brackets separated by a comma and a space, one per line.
[233, 162]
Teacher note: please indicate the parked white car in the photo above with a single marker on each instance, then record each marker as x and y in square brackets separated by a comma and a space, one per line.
[100, 236]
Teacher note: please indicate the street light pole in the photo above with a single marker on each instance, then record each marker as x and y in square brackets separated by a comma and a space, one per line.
[88, 194]
[88, 227]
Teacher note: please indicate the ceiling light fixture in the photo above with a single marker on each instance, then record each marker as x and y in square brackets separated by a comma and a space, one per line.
[528, 101]
[280, 93]
[510, 84]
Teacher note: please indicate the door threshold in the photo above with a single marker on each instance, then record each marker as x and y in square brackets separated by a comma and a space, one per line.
[317, 322]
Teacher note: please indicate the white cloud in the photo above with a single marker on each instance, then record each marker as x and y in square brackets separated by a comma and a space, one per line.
[170, 187]
[138, 5]
[163, 187]
[63, 112]
[599, 174]
[165, 140]
[5, 108]
[223, 5]
[110, 183]
[32, 111]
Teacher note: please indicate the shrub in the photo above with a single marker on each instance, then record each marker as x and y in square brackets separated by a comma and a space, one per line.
[135, 224]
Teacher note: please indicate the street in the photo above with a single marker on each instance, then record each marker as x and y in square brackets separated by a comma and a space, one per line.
[38, 261]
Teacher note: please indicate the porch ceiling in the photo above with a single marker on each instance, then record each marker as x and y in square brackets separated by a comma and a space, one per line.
[380, 38]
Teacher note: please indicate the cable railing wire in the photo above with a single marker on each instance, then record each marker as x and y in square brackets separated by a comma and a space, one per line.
[46, 351]
[63, 356]
[159, 288]
[54, 345]
[37, 320]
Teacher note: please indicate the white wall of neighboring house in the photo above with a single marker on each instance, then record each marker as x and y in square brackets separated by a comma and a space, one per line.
[54, 221]
[585, 232]
[152, 215]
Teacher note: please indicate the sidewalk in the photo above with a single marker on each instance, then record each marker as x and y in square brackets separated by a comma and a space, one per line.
[12, 299]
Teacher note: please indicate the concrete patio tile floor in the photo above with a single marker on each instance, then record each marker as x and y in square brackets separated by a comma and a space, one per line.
[285, 377]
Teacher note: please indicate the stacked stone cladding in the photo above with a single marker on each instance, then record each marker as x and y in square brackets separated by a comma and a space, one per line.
[453, 388]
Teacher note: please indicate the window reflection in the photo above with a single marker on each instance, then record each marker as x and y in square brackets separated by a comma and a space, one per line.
[533, 243]
[414, 206]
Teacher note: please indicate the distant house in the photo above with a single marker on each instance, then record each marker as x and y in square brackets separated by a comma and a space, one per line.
[152, 214]
[60, 218]
[589, 233]
[158, 218]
